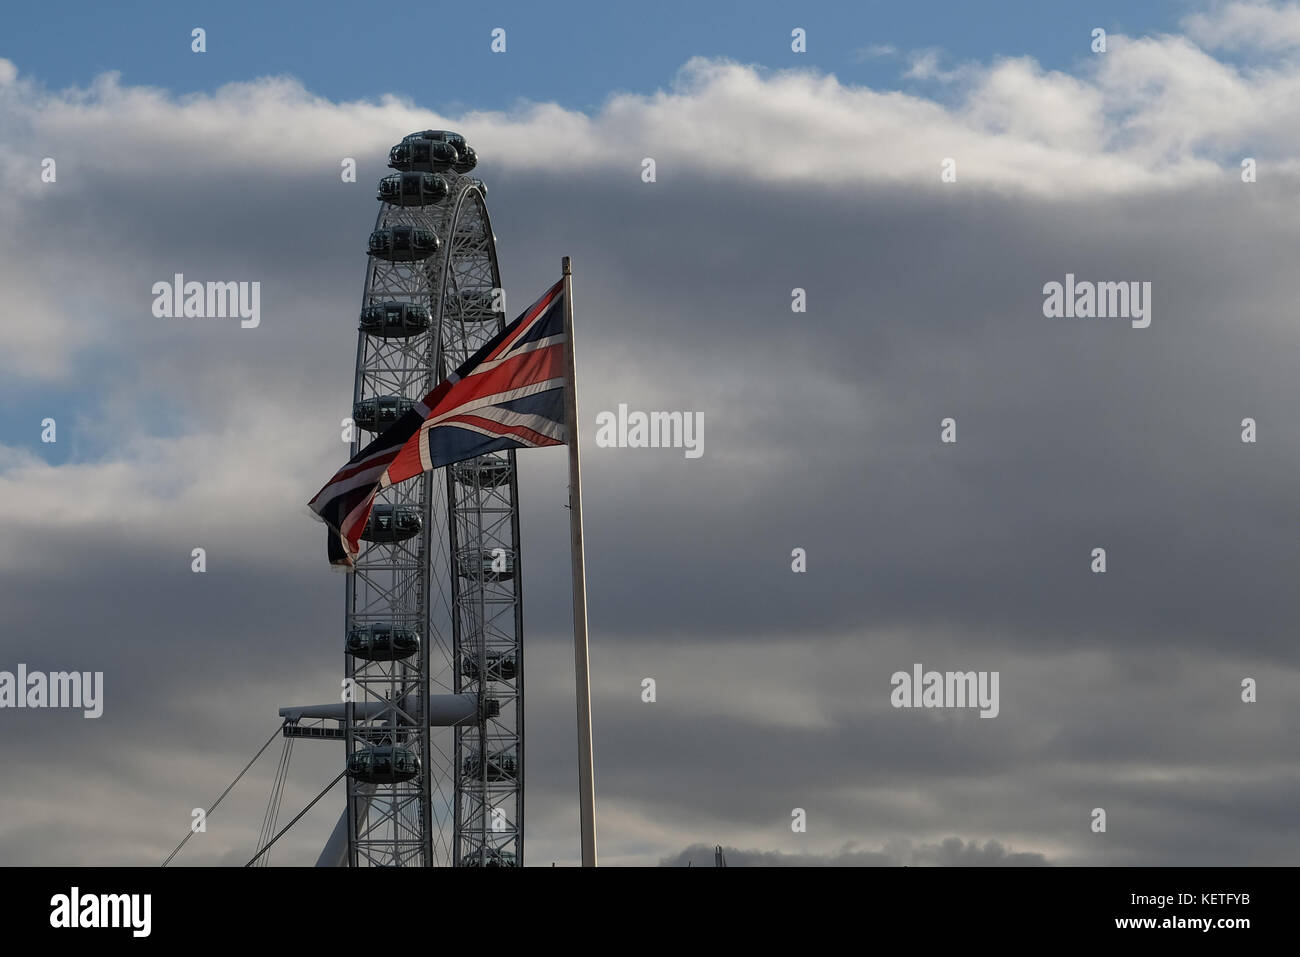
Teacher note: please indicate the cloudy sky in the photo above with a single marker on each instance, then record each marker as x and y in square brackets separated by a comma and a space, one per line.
[775, 170]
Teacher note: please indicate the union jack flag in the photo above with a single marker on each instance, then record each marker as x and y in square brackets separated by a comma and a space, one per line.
[508, 395]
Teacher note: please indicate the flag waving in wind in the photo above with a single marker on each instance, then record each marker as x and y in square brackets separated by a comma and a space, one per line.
[509, 395]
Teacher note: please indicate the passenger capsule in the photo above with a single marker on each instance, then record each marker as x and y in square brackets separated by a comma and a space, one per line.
[392, 523]
[490, 471]
[382, 641]
[418, 153]
[413, 189]
[489, 857]
[378, 413]
[501, 766]
[403, 244]
[383, 765]
[483, 570]
[466, 160]
[500, 666]
[454, 140]
[395, 320]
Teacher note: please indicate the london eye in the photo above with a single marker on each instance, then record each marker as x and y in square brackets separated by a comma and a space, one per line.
[432, 712]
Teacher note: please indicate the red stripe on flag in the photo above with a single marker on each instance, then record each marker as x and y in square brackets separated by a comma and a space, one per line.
[407, 464]
[512, 373]
[496, 428]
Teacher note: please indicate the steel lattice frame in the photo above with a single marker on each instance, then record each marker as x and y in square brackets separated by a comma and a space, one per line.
[446, 582]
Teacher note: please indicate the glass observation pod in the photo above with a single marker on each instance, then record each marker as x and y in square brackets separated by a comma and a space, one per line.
[455, 140]
[413, 189]
[382, 641]
[466, 157]
[482, 569]
[487, 472]
[385, 765]
[395, 320]
[490, 857]
[392, 523]
[476, 306]
[500, 667]
[423, 156]
[466, 160]
[378, 413]
[433, 151]
[403, 244]
[500, 766]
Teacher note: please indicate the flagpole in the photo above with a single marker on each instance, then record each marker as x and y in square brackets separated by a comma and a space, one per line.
[582, 667]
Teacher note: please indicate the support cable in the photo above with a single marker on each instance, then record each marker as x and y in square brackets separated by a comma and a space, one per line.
[272, 816]
[297, 817]
[226, 791]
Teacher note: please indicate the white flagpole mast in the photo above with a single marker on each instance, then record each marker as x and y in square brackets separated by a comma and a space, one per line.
[582, 668]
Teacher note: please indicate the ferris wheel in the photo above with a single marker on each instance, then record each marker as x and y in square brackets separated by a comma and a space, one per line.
[432, 712]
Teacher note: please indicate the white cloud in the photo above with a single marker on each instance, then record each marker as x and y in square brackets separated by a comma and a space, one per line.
[1153, 114]
[717, 115]
[1248, 25]
[925, 65]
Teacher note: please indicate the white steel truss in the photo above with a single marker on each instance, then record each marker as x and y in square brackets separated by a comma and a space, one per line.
[455, 581]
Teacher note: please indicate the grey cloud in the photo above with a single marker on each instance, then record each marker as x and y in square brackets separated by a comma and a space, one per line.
[952, 852]
[821, 432]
